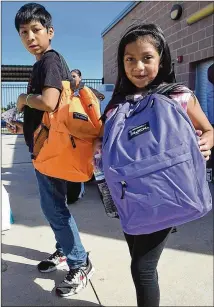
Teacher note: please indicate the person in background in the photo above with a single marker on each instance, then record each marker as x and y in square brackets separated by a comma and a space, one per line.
[77, 76]
[75, 190]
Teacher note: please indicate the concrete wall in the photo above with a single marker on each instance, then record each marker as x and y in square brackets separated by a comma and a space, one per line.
[194, 42]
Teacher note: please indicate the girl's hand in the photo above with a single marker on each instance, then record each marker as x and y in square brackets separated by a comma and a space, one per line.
[15, 127]
[206, 142]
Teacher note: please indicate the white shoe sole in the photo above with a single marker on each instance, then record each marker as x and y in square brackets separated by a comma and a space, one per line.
[78, 289]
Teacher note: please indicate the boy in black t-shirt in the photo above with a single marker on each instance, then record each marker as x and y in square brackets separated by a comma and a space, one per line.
[34, 25]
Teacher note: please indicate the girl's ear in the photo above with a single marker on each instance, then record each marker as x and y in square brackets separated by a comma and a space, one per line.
[51, 33]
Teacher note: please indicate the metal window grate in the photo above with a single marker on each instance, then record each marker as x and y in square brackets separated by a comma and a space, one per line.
[11, 90]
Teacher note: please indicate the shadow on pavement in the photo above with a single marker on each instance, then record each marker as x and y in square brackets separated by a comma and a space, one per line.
[24, 284]
[20, 285]
[28, 253]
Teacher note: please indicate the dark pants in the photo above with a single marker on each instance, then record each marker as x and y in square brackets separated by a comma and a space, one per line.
[145, 252]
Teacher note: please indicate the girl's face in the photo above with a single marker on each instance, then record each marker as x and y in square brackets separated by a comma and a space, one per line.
[76, 77]
[141, 62]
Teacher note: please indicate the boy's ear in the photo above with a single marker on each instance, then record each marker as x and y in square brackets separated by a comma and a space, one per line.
[51, 32]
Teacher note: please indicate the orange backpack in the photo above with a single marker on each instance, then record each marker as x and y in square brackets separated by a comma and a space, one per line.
[63, 143]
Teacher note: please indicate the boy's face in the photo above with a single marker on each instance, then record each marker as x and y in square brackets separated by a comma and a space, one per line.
[36, 38]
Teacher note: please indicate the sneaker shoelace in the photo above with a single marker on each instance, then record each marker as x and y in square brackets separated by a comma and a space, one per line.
[72, 274]
[55, 255]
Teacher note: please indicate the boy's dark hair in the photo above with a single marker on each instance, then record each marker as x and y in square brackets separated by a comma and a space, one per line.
[33, 12]
[154, 35]
[77, 71]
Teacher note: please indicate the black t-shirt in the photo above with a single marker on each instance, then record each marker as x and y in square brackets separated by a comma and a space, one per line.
[47, 72]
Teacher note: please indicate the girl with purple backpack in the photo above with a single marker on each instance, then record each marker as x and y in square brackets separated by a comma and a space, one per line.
[144, 66]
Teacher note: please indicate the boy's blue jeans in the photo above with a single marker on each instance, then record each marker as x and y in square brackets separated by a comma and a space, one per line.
[53, 203]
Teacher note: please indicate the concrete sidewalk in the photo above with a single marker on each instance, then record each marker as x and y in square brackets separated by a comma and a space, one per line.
[185, 268]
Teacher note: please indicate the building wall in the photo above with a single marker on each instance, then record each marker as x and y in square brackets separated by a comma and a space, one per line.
[194, 42]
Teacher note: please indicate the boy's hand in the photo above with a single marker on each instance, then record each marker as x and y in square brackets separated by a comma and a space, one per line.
[206, 142]
[21, 102]
[15, 127]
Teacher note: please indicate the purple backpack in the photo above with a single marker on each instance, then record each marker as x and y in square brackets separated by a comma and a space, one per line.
[154, 169]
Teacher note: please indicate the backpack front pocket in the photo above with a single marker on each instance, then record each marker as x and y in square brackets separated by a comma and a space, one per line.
[40, 136]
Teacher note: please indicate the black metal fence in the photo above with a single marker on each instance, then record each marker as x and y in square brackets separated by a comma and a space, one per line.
[11, 90]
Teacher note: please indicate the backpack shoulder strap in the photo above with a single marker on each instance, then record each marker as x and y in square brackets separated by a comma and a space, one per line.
[65, 68]
[177, 92]
[166, 89]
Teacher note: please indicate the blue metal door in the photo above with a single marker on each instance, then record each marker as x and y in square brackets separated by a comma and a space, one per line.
[203, 87]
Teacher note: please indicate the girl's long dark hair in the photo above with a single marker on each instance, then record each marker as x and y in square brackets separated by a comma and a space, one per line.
[165, 74]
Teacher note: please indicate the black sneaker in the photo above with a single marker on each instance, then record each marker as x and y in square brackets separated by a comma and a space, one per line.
[75, 280]
[53, 262]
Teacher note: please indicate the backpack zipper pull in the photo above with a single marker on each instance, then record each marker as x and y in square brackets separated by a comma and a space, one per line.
[72, 141]
[152, 103]
[124, 185]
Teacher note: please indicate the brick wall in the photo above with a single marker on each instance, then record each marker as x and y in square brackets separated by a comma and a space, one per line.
[194, 42]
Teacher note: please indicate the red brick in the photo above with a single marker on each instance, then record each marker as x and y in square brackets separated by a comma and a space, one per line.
[182, 34]
[178, 78]
[182, 68]
[192, 48]
[210, 52]
[178, 35]
[167, 32]
[206, 42]
[186, 58]
[193, 28]
[177, 45]
[198, 56]
[187, 40]
[184, 77]
[199, 35]
[209, 31]
[172, 38]
[195, 6]
[202, 4]
[206, 21]
[173, 56]
[187, 4]
[192, 57]
[182, 51]
[204, 53]
[183, 23]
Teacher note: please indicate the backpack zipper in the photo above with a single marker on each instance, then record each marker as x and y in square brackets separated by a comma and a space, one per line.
[72, 141]
[40, 132]
[152, 103]
[124, 186]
